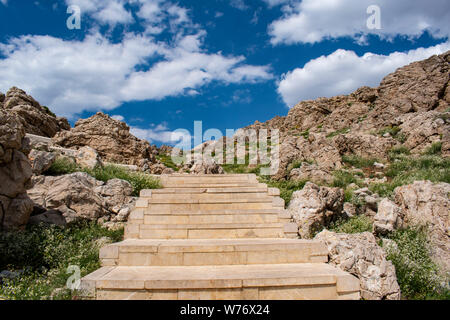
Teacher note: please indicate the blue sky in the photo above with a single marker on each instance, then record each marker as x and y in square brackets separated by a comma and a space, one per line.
[161, 65]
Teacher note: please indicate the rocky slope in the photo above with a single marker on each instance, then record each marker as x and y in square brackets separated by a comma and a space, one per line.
[35, 118]
[410, 107]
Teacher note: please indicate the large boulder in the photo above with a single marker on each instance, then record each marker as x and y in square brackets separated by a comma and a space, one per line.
[314, 207]
[15, 174]
[360, 255]
[35, 119]
[79, 196]
[109, 137]
[426, 203]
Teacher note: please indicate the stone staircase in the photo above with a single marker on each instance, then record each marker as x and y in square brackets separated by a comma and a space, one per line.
[215, 237]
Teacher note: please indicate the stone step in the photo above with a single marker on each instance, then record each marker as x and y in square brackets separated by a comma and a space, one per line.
[211, 231]
[261, 188]
[175, 218]
[207, 178]
[196, 207]
[209, 198]
[232, 282]
[209, 185]
[212, 252]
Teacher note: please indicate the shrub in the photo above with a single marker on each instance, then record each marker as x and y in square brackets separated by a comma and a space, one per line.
[356, 224]
[418, 276]
[43, 253]
[138, 180]
[434, 149]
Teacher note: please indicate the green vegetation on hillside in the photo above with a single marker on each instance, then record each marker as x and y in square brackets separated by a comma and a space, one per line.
[42, 254]
[138, 180]
[418, 276]
[407, 169]
[167, 161]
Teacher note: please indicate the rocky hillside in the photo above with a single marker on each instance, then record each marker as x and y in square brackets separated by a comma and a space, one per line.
[410, 108]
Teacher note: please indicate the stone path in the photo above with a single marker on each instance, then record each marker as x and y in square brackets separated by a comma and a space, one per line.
[215, 237]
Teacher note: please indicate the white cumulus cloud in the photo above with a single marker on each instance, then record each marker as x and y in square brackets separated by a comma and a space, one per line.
[311, 21]
[71, 76]
[343, 71]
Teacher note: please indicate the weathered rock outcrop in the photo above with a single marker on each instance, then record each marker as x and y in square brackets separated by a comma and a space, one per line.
[314, 206]
[35, 119]
[79, 196]
[427, 203]
[109, 137]
[360, 255]
[415, 98]
[15, 173]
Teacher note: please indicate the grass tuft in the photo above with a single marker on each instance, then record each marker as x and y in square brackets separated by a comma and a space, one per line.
[139, 181]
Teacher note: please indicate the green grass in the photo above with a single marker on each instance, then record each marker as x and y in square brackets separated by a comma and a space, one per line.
[418, 276]
[344, 178]
[434, 149]
[407, 169]
[338, 132]
[394, 131]
[43, 253]
[167, 161]
[139, 181]
[358, 162]
[356, 224]
[287, 188]
[48, 111]
[396, 151]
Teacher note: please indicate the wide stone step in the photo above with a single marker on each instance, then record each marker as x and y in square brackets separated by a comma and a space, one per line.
[175, 218]
[231, 282]
[212, 252]
[199, 190]
[211, 231]
[195, 207]
[209, 185]
[228, 178]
